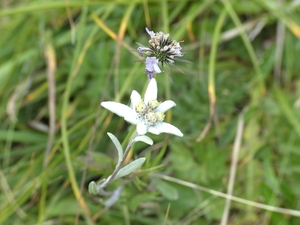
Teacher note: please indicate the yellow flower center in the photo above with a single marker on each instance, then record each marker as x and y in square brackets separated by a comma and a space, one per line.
[160, 116]
[151, 117]
[149, 112]
[153, 103]
[141, 107]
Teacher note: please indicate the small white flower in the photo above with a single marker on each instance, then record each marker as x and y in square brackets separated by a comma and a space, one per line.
[147, 114]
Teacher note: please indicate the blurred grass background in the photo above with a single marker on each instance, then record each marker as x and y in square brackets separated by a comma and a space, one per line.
[237, 105]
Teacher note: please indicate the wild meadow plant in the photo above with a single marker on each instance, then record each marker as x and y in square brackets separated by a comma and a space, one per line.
[146, 113]
[162, 50]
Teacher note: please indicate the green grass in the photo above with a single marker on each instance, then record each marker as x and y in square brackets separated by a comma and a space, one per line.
[244, 71]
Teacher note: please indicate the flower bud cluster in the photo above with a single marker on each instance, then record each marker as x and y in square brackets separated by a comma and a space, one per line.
[162, 47]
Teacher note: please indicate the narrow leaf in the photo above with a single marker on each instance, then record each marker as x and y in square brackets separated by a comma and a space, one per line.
[118, 146]
[133, 166]
[114, 197]
[144, 138]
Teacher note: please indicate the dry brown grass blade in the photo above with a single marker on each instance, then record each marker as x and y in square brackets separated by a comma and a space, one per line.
[233, 198]
[10, 196]
[233, 166]
[51, 68]
[111, 33]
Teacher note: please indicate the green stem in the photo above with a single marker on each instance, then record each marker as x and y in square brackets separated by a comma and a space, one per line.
[119, 164]
[251, 52]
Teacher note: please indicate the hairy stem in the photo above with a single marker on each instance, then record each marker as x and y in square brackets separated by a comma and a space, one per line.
[119, 164]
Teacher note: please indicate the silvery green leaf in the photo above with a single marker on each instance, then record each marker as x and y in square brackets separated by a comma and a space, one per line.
[144, 139]
[114, 197]
[93, 188]
[118, 146]
[133, 166]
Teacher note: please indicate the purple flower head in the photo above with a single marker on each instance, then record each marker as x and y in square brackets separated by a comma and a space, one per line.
[152, 64]
[150, 74]
[161, 50]
[152, 67]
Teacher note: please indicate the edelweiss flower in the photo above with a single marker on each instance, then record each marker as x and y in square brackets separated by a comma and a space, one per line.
[162, 48]
[147, 114]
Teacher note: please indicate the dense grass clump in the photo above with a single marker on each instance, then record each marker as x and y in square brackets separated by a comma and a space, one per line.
[238, 107]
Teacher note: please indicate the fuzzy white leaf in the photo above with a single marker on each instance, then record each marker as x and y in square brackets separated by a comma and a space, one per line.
[118, 146]
[144, 139]
[114, 197]
[133, 166]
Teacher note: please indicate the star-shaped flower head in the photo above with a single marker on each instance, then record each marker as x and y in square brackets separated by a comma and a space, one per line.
[162, 48]
[147, 114]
